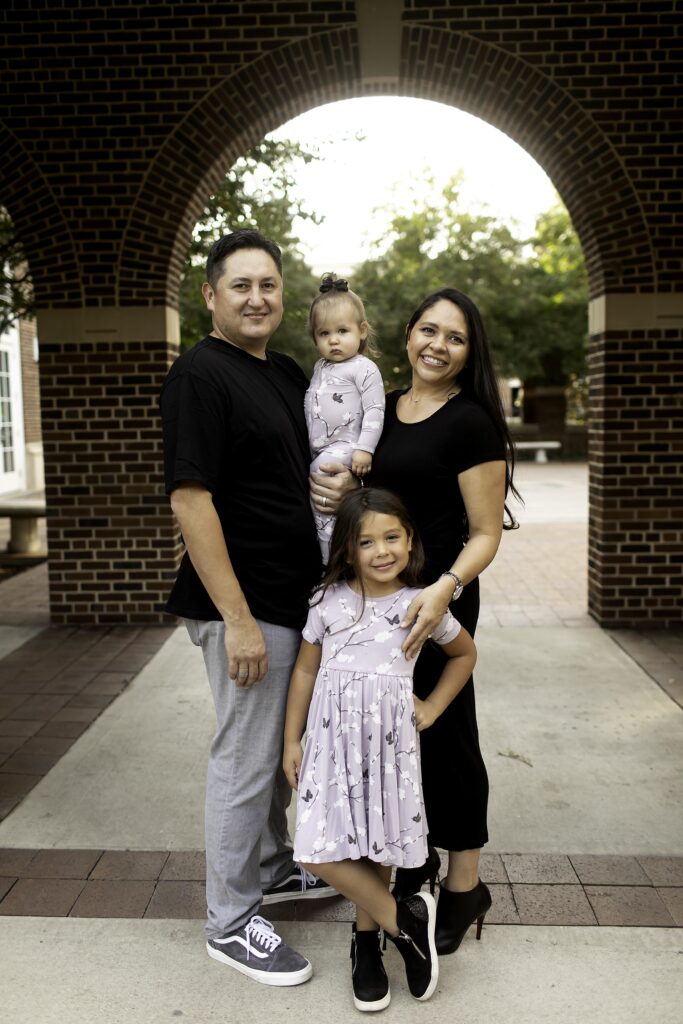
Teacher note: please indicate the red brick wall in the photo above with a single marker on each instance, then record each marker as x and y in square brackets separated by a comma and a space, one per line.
[614, 69]
[635, 451]
[93, 94]
[112, 544]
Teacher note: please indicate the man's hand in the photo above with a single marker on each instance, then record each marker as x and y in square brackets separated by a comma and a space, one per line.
[291, 762]
[425, 714]
[330, 485]
[361, 462]
[424, 615]
[246, 650]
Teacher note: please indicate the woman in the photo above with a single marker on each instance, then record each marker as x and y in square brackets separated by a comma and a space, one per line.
[446, 451]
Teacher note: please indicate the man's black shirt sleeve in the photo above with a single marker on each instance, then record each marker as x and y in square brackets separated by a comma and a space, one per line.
[196, 438]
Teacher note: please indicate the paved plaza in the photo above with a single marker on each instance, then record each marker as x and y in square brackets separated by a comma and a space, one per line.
[103, 741]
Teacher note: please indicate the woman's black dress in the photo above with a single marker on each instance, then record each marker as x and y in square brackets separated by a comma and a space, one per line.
[420, 462]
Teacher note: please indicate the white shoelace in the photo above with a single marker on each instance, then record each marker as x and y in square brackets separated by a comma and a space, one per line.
[263, 934]
[307, 878]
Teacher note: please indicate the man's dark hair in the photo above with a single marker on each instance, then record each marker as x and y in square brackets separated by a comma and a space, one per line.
[245, 238]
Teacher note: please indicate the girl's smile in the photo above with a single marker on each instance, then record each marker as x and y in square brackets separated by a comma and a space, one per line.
[382, 553]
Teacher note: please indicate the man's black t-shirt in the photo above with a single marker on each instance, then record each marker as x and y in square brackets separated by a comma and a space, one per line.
[235, 424]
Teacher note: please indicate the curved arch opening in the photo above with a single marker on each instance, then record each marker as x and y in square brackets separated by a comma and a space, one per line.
[364, 192]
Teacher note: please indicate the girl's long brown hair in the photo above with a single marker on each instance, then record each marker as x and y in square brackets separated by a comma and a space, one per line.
[343, 561]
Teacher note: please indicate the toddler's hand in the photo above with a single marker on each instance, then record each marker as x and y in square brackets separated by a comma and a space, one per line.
[291, 763]
[425, 714]
[361, 463]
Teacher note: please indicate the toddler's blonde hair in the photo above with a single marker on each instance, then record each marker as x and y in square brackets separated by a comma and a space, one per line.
[336, 289]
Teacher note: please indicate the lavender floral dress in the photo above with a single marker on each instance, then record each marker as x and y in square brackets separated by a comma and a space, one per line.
[360, 791]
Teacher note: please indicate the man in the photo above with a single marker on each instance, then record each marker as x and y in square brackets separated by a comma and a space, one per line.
[236, 460]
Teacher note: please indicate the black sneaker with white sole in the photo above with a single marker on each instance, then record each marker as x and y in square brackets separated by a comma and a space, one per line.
[416, 916]
[369, 979]
[299, 885]
[258, 951]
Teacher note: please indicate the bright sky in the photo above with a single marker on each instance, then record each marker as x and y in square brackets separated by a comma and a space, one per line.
[405, 139]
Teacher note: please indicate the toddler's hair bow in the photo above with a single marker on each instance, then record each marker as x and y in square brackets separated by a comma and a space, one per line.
[331, 283]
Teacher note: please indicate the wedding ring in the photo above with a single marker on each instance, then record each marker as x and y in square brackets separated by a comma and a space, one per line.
[324, 502]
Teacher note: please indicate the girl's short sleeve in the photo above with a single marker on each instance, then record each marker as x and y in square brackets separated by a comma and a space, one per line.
[447, 630]
[314, 630]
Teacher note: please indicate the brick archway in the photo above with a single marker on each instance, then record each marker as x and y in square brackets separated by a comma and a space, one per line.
[41, 226]
[111, 118]
[230, 119]
[549, 124]
[472, 75]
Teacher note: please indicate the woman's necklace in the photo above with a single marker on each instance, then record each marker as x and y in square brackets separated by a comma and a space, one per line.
[432, 398]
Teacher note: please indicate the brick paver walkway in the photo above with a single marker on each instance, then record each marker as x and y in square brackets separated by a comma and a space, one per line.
[526, 889]
[538, 578]
[53, 687]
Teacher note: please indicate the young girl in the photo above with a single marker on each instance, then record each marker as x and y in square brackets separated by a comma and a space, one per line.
[344, 404]
[359, 802]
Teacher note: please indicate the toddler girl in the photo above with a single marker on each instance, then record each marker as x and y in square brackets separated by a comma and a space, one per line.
[344, 404]
[359, 802]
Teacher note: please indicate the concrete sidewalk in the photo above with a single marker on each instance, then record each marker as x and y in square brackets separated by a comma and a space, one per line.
[583, 743]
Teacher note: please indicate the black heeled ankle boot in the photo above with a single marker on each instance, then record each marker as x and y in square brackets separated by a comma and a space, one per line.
[456, 911]
[410, 880]
[368, 977]
[416, 916]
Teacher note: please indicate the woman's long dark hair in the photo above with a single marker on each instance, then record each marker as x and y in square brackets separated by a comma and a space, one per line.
[478, 379]
[343, 560]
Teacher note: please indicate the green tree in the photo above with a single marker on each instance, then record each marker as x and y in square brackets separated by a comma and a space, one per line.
[255, 193]
[558, 287]
[436, 243]
[16, 287]
[531, 292]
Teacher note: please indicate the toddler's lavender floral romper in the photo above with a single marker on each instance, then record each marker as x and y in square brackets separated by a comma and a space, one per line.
[344, 408]
[360, 791]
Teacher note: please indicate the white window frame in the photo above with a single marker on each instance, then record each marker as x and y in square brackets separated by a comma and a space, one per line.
[10, 342]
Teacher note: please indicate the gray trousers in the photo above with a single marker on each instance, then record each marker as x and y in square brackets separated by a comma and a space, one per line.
[248, 847]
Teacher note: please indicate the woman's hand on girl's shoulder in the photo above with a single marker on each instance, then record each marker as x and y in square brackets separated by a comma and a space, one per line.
[424, 614]
[291, 762]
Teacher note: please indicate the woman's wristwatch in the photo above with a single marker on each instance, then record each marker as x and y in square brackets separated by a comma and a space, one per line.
[459, 586]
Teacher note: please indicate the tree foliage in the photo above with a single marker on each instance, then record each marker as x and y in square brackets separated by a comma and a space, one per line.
[558, 295]
[16, 287]
[531, 292]
[255, 193]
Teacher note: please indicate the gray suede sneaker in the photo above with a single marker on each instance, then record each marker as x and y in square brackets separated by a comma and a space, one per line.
[258, 951]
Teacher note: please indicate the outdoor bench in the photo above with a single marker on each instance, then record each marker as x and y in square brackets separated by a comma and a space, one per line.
[539, 447]
[24, 511]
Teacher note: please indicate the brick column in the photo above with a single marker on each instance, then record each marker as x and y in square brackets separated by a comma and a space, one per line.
[112, 543]
[635, 568]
